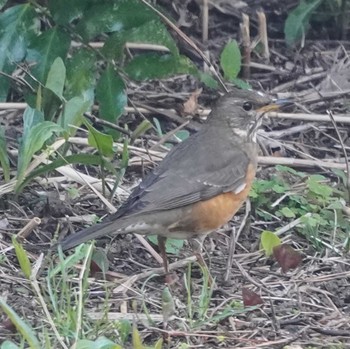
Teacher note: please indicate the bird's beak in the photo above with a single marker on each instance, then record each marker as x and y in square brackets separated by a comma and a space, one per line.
[275, 105]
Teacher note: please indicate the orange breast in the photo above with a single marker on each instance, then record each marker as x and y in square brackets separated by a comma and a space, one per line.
[211, 214]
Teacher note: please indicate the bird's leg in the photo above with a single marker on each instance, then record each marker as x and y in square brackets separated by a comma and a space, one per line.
[162, 249]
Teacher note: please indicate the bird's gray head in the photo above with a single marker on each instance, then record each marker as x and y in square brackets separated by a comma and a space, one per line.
[241, 111]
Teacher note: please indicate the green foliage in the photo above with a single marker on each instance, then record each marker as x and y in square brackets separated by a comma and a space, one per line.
[268, 241]
[230, 60]
[231, 64]
[22, 257]
[61, 76]
[4, 159]
[22, 327]
[301, 194]
[299, 19]
[36, 132]
[110, 93]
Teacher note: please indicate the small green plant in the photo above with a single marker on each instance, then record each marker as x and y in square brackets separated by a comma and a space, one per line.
[298, 20]
[312, 198]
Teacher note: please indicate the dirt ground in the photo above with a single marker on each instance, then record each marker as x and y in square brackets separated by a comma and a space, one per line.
[308, 307]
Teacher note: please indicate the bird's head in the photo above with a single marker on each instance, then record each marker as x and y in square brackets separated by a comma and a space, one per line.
[242, 111]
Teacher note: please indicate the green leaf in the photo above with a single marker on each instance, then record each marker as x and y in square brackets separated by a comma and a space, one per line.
[22, 257]
[56, 77]
[281, 168]
[172, 246]
[268, 241]
[65, 263]
[81, 78]
[230, 60]
[323, 190]
[182, 134]
[110, 93]
[61, 14]
[168, 304]
[143, 127]
[280, 189]
[44, 49]
[208, 80]
[287, 212]
[100, 258]
[124, 330]
[25, 330]
[159, 344]
[297, 22]
[136, 339]
[17, 25]
[72, 114]
[152, 32]
[113, 16]
[99, 343]
[153, 66]
[35, 133]
[241, 84]
[102, 142]
[9, 345]
[4, 159]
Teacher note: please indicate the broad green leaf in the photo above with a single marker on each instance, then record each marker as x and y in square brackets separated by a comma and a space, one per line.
[56, 77]
[287, 212]
[17, 25]
[72, 114]
[99, 343]
[323, 190]
[182, 134]
[268, 241]
[230, 60]
[25, 330]
[49, 103]
[9, 345]
[22, 257]
[81, 78]
[113, 16]
[110, 93]
[153, 66]
[101, 141]
[297, 22]
[34, 137]
[44, 49]
[172, 246]
[153, 32]
[65, 11]
[4, 159]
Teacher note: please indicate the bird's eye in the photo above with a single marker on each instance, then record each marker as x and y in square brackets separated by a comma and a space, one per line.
[247, 106]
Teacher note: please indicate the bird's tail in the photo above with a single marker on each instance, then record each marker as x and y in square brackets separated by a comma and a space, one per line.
[93, 232]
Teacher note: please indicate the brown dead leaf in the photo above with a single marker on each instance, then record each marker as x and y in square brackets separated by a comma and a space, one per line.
[287, 257]
[190, 107]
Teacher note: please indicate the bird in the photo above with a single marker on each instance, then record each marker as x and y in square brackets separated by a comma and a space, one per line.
[201, 183]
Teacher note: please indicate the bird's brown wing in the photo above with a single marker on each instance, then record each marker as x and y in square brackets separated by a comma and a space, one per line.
[190, 173]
